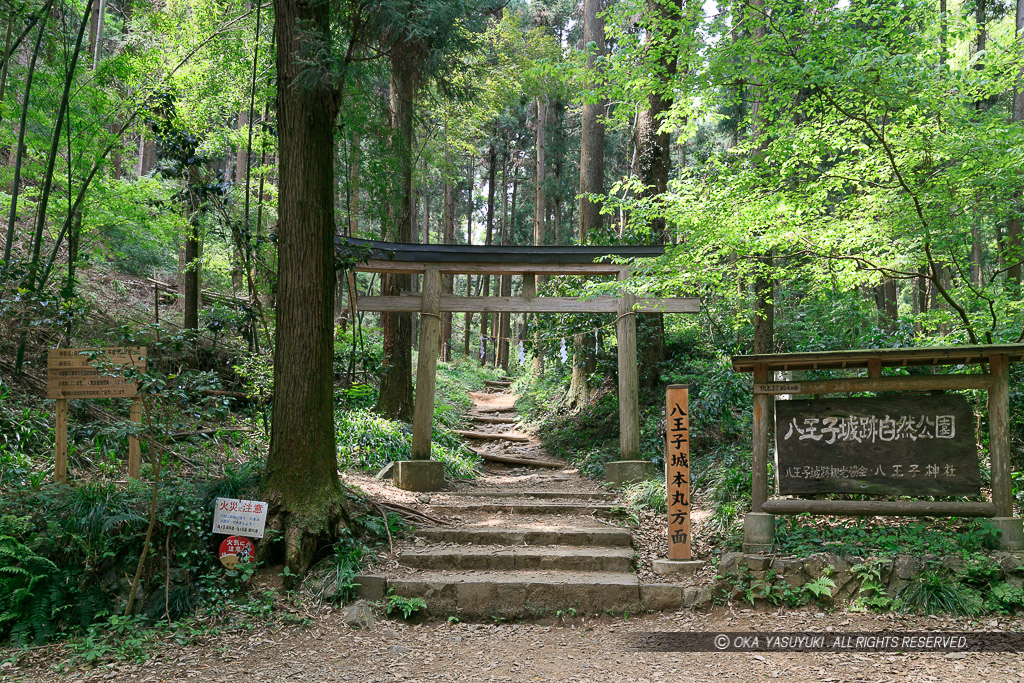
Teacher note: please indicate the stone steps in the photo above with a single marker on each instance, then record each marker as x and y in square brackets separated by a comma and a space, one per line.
[513, 437]
[524, 508]
[520, 495]
[545, 556]
[486, 419]
[560, 558]
[480, 595]
[530, 535]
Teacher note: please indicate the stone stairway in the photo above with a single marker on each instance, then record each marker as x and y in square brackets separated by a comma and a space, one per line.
[519, 554]
[530, 538]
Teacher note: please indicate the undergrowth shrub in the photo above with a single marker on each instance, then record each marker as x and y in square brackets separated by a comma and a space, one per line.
[368, 441]
[26, 436]
[933, 592]
[332, 579]
[66, 552]
[650, 494]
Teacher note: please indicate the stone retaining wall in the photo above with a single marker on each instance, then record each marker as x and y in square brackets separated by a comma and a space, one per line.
[897, 571]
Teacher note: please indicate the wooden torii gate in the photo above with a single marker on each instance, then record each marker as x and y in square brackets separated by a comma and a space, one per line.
[434, 260]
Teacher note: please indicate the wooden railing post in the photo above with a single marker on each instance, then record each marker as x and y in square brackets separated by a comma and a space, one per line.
[134, 451]
[60, 462]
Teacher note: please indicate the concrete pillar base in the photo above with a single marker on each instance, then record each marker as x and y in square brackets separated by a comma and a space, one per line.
[1011, 535]
[677, 566]
[622, 472]
[758, 532]
[419, 475]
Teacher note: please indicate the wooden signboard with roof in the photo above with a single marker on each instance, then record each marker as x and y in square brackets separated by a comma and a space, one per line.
[908, 445]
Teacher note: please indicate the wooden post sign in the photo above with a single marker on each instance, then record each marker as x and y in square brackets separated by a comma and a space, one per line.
[71, 374]
[677, 470]
[902, 445]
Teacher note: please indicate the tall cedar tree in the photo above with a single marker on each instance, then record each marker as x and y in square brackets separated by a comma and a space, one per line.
[396, 398]
[301, 478]
[591, 179]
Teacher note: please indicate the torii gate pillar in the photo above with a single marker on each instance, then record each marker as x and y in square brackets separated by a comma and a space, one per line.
[628, 469]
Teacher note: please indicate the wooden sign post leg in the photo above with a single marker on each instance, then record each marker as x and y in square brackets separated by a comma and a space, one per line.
[134, 452]
[759, 526]
[1012, 534]
[60, 463]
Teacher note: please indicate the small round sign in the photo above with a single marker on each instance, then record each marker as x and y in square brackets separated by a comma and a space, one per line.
[235, 549]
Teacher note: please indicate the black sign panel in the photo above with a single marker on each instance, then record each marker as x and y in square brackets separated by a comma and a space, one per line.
[906, 445]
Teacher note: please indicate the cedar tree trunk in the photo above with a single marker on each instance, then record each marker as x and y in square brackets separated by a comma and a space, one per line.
[301, 478]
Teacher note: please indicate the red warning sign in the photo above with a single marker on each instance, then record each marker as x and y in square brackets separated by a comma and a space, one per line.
[235, 549]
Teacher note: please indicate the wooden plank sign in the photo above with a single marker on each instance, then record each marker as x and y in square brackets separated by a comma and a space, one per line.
[71, 374]
[677, 470]
[904, 445]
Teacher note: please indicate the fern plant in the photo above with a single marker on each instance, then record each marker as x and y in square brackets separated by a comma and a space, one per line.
[819, 588]
[30, 592]
[872, 594]
[398, 603]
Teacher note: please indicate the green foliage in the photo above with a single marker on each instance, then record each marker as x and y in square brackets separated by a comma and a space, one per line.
[588, 438]
[819, 587]
[649, 494]
[455, 381]
[368, 441]
[26, 436]
[1004, 597]
[30, 593]
[932, 592]
[376, 529]
[332, 579]
[119, 638]
[65, 552]
[872, 594]
[405, 606]
[774, 589]
[805, 535]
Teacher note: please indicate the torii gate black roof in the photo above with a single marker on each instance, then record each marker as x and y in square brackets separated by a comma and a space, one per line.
[462, 253]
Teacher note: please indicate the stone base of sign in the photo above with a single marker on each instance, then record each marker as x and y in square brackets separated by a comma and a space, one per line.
[419, 475]
[677, 566]
[623, 472]
[758, 532]
[1011, 536]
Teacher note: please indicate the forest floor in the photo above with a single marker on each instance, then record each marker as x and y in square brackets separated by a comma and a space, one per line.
[578, 649]
[556, 648]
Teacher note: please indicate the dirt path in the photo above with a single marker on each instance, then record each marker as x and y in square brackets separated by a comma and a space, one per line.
[576, 650]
